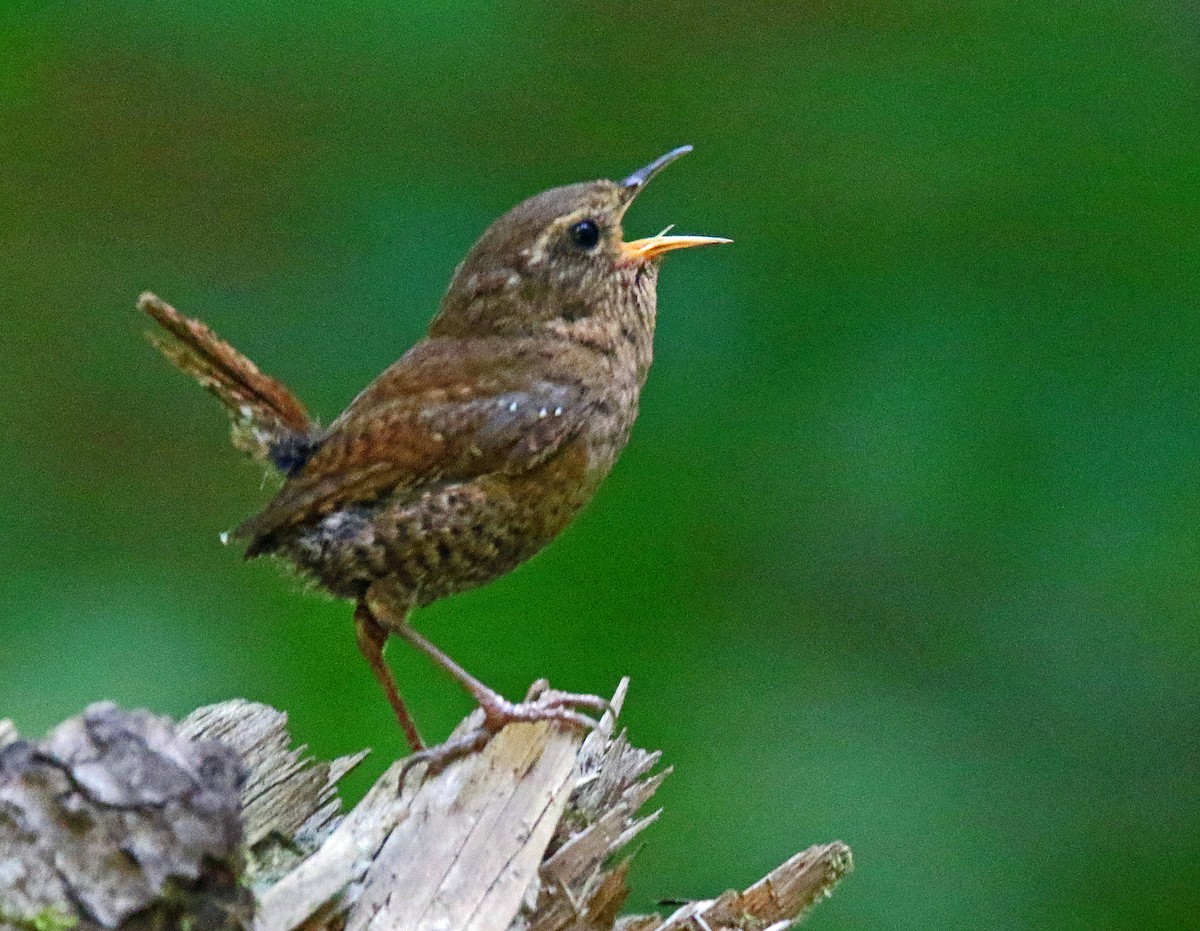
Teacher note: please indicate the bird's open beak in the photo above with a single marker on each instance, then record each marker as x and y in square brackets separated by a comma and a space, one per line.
[640, 178]
[643, 250]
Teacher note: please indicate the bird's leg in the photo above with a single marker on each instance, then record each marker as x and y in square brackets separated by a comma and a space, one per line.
[498, 711]
[383, 612]
[371, 639]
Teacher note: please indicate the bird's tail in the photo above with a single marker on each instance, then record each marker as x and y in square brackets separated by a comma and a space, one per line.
[268, 422]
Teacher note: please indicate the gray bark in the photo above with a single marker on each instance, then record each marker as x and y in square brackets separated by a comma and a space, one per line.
[124, 820]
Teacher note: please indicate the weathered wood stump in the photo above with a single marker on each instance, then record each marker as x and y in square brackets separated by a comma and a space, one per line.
[126, 820]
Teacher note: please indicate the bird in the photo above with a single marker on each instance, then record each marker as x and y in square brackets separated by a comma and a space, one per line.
[478, 446]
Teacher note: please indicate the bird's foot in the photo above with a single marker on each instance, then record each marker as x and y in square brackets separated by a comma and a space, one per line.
[541, 693]
[438, 758]
[499, 712]
[541, 703]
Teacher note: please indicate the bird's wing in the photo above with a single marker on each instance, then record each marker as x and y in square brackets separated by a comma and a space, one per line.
[416, 432]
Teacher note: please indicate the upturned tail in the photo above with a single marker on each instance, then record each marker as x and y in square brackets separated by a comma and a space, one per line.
[268, 422]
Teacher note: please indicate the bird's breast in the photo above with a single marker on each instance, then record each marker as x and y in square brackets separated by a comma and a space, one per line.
[609, 425]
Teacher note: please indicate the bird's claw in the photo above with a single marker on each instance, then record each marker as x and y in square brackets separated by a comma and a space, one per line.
[499, 713]
[439, 757]
[541, 704]
[556, 699]
[541, 693]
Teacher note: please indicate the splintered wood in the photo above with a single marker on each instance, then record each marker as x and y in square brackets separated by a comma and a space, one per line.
[525, 835]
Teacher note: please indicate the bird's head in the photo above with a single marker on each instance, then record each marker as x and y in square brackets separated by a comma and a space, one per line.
[559, 256]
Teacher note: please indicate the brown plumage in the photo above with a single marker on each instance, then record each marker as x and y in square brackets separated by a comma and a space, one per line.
[478, 446]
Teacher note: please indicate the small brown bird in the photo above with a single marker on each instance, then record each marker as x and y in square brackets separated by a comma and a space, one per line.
[478, 446]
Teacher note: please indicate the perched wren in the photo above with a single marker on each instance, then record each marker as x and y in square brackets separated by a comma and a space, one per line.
[471, 452]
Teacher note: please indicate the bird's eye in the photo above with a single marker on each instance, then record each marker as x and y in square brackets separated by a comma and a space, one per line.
[585, 234]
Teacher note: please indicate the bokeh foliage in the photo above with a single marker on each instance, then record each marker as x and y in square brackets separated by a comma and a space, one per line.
[904, 550]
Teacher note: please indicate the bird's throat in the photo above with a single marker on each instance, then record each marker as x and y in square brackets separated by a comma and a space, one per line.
[619, 328]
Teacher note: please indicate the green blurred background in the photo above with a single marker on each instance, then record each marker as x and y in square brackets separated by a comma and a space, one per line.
[904, 548]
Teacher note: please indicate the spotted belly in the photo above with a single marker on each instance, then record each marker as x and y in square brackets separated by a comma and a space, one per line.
[446, 538]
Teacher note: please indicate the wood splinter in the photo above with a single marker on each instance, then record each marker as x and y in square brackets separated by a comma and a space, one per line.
[126, 820]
